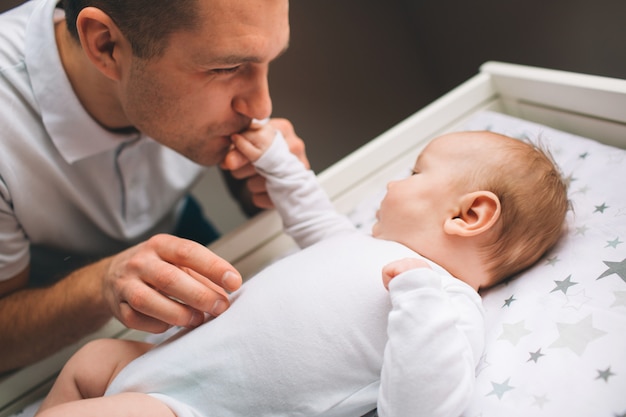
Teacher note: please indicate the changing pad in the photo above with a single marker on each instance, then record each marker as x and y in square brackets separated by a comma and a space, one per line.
[556, 333]
[556, 343]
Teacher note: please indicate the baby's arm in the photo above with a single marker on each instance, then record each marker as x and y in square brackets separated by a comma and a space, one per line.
[307, 213]
[435, 337]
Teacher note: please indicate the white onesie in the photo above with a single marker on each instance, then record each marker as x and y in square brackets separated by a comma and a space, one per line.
[317, 334]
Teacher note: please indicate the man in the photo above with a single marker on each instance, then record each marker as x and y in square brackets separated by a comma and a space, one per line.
[110, 111]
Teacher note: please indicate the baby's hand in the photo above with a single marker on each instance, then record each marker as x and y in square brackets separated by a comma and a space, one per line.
[395, 268]
[253, 142]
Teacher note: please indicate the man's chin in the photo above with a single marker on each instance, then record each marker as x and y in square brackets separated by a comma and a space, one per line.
[215, 156]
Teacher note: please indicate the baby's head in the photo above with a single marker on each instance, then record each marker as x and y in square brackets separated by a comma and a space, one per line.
[482, 205]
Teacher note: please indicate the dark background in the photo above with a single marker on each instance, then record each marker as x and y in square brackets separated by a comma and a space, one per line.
[357, 67]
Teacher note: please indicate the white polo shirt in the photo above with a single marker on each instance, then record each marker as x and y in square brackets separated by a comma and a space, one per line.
[65, 182]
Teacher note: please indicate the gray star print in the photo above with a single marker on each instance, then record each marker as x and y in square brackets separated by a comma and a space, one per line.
[563, 285]
[513, 332]
[576, 336]
[618, 268]
[500, 389]
[508, 301]
[552, 261]
[613, 243]
[606, 374]
[601, 208]
[534, 356]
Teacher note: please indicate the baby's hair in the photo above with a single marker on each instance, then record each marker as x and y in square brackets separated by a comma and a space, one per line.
[533, 199]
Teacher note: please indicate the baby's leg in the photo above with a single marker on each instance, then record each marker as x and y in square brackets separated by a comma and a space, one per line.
[127, 404]
[89, 371]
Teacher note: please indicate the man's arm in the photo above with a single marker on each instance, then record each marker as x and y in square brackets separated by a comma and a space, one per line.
[35, 323]
[165, 281]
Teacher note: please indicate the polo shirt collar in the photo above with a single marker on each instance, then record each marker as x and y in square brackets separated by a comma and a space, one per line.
[73, 131]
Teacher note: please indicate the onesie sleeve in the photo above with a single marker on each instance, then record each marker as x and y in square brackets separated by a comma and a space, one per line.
[435, 340]
[307, 213]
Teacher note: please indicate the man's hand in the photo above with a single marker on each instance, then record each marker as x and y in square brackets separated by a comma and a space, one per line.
[167, 281]
[240, 167]
[395, 268]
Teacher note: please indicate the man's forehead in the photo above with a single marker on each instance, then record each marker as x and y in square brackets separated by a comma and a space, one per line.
[232, 58]
[232, 34]
[225, 12]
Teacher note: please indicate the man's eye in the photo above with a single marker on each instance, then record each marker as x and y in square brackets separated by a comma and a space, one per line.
[229, 70]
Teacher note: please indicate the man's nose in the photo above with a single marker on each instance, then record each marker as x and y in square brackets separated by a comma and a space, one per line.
[254, 100]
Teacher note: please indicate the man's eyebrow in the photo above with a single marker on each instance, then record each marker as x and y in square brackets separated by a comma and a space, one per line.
[235, 59]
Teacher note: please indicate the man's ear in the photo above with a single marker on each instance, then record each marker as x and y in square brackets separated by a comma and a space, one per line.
[478, 212]
[102, 41]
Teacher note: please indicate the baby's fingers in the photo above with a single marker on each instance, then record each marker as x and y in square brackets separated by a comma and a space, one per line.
[246, 147]
[395, 268]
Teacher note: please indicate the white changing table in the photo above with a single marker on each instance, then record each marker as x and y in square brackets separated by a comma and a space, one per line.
[582, 104]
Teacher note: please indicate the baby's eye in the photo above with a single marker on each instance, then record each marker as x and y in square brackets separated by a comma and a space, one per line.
[414, 172]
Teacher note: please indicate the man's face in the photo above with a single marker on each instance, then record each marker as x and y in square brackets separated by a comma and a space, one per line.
[210, 82]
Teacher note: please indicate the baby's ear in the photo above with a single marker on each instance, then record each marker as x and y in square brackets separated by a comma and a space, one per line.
[478, 212]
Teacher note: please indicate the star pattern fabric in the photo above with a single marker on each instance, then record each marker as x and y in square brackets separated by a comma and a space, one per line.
[556, 335]
[500, 388]
[576, 336]
[514, 332]
[564, 285]
[618, 268]
[605, 374]
[534, 356]
[508, 301]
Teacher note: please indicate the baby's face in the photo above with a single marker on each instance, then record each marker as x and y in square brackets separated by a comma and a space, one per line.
[414, 208]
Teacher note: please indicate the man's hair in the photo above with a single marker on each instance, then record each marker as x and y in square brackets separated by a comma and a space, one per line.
[147, 24]
[533, 199]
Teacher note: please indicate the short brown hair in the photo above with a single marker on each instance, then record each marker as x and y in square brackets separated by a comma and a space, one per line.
[533, 199]
[147, 24]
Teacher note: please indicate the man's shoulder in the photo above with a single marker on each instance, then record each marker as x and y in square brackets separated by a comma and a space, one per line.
[13, 34]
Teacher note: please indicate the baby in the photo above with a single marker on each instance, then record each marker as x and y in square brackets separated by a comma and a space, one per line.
[317, 333]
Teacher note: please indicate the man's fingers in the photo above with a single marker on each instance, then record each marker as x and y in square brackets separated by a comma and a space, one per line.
[145, 307]
[239, 166]
[257, 184]
[263, 201]
[200, 294]
[187, 277]
[234, 160]
[137, 320]
[185, 253]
